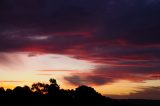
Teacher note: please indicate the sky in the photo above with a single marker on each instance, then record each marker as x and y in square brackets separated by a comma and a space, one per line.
[111, 45]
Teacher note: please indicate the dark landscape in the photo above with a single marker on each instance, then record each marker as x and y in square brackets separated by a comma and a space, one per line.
[41, 94]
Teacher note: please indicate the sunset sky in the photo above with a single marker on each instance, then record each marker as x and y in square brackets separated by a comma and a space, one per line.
[111, 45]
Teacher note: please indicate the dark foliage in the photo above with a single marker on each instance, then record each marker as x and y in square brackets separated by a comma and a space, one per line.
[41, 94]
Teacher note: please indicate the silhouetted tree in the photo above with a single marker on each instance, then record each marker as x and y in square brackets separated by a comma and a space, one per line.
[88, 95]
[2, 91]
[53, 89]
[85, 92]
[53, 81]
[40, 88]
[9, 92]
[27, 91]
[18, 91]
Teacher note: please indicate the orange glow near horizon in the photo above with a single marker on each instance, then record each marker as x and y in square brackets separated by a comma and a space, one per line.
[22, 69]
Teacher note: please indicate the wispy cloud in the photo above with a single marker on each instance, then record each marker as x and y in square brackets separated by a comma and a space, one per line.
[56, 70]
[10, 81]
[44, 74]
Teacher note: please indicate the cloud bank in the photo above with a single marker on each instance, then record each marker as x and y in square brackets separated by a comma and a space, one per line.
[123, 35]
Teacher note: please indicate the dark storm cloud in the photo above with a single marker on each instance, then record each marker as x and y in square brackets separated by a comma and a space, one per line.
[104, 75]
[123, 34]
[108, 23]
[75, 80]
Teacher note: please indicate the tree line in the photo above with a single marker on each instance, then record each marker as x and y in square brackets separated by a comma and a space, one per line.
[42, 94]
[47, 94]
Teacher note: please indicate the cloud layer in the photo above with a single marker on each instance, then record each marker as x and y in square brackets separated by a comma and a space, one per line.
[104, 75]
[121, 34]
